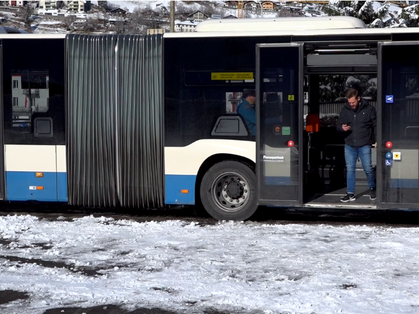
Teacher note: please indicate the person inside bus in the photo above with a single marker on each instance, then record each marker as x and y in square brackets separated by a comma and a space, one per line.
[246, 109]
[358, 121]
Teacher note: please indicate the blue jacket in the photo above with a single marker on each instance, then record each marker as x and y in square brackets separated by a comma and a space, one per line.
[248, 113]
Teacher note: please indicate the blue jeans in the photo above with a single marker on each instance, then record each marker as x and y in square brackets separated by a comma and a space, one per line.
[351, 155]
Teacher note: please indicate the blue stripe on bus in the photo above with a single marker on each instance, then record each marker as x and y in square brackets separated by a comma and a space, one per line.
[173, 186]
[405, 183]
[62, 195]
[25, 186]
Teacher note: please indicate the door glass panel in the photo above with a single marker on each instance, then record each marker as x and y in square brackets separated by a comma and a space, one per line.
[278, 147]
[2, 187]
[400, 126]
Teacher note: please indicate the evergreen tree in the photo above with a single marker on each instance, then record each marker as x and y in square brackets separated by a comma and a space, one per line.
[367, 13]
[410, 16]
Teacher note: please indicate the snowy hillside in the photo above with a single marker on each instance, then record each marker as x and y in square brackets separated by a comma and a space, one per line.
[142, 15]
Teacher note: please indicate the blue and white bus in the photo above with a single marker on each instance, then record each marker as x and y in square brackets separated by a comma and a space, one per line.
[129, 121]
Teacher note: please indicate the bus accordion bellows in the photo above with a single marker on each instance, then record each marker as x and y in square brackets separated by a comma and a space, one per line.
[132, 121]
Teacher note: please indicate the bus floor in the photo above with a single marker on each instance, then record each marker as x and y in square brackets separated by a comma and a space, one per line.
[330, 197]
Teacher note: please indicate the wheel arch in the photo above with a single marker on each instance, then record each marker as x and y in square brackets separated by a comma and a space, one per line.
[212, 160]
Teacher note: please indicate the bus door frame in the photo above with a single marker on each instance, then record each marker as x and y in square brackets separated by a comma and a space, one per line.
[2, 165]
[381, 147]
[280, 192]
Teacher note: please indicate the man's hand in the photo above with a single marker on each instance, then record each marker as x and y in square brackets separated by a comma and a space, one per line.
[345, 127]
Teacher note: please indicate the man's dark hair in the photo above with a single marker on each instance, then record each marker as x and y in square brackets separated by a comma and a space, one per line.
[248, 92]
[352, 92]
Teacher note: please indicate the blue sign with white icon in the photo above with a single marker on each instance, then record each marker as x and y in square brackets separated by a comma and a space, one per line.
[388, 162]
[389, 155]
[389, 99]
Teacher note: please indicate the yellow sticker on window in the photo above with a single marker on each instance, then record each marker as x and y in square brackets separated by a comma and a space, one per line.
[225, 76]
[291, 97]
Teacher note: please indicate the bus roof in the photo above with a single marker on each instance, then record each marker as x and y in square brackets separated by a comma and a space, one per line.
[280, 24]
[32, 36]
[290, 32]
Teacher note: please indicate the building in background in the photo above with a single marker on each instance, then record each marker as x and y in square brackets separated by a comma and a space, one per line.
[15, 3]
[185, 26]
[72, 6]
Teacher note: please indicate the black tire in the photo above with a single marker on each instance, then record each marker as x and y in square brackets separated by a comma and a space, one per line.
[228, 191]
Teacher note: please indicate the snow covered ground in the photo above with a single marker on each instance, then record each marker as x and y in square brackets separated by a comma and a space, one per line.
[228, 267]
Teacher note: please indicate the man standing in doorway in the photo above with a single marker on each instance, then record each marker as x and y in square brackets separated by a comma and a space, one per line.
[358, 120]
[247, 109]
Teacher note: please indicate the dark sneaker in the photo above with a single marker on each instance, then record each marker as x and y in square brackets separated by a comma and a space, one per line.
[348, 198]
[373, 195]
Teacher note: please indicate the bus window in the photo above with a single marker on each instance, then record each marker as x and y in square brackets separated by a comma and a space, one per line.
[33, 88]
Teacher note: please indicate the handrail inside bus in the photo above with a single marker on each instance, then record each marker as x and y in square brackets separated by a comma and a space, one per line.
[410, 127]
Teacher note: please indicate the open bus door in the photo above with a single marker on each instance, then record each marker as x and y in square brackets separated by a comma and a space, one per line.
[2, 185]
[279, 89]
[398, 154]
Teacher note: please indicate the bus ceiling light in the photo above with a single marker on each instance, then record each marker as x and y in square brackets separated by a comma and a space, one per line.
[290, 144]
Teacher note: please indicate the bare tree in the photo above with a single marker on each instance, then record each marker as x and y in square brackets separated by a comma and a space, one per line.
[26, 14]
[91, 25]
[182, 9]
[288, 12]
[68, 22]
[103, 4]
[331, 10]
[140, 21]
[136, 23]
[119, 27]
[209, 8]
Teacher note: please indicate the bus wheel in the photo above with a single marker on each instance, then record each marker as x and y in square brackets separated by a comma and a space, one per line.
[228, 191]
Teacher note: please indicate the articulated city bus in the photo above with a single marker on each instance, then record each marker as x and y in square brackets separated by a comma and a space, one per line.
[151, 121]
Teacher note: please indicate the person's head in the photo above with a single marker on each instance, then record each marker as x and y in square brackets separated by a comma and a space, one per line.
[353, 98]
[250, 96]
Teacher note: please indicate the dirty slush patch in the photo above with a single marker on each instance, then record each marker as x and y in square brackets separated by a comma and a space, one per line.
[7, 296]
[112, 309]
[105, 309]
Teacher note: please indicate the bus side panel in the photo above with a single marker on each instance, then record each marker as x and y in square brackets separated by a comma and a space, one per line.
[180, 189]
[30, 173]
[62, 195]
[403, 177]
[182, 165]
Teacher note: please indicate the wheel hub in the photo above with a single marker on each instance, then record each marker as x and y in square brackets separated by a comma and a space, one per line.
[234, 189]
[230, 192]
